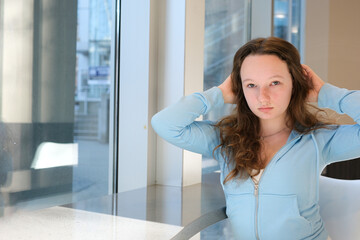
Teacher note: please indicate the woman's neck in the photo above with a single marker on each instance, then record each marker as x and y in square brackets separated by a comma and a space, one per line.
[272, 127]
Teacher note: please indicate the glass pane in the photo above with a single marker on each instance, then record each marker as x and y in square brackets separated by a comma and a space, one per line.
[296, 23]
[54, 100]
[281, 19]
[287, 21]
[227, 28]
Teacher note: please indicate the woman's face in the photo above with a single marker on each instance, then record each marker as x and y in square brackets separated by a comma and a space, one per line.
[267, 86]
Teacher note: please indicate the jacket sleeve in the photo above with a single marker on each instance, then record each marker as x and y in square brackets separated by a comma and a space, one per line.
[343, 142]
[177, 123]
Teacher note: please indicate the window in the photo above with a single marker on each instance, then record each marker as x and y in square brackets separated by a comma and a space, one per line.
[55, 85]
[226, 30]
[287, 21]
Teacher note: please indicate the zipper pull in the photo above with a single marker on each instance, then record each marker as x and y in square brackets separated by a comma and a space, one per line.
[256, 192]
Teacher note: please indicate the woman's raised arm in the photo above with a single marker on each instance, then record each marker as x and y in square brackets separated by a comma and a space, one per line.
[226, 90]
[177, 123]
[342, 143]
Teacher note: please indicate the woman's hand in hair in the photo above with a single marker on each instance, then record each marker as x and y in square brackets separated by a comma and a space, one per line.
[227, 92]
[317, 84]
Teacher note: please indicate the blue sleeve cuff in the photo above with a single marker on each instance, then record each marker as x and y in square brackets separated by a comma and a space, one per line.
[330, 96]
[341, 100]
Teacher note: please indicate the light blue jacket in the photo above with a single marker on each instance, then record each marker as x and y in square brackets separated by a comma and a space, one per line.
[286, 205]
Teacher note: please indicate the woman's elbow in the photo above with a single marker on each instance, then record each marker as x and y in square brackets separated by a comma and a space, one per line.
[155, 122]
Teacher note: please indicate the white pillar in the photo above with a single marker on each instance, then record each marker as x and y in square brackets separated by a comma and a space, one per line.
[180, 72]
[134, 85]
[161, 59]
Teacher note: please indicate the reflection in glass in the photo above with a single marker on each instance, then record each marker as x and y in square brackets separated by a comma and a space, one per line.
[287, 21]
[50, 155]
[226, 30]
[281, 19]
[5, 162]
[54, 99]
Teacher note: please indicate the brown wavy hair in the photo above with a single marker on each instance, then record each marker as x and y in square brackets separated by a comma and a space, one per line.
[240, 132]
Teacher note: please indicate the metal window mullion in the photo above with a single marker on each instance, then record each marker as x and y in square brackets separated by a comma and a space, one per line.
[116, 90]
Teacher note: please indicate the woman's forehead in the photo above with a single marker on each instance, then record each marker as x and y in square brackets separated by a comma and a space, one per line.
[263, 66]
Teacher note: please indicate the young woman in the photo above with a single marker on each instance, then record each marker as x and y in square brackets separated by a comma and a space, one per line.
[274, 146]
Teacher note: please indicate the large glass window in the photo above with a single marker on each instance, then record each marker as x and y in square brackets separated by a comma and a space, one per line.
[55, 84]
[226, 29]
[227, 26]
[287, 21]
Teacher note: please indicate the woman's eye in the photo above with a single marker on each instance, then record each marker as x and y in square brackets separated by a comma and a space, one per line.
[275, 83]
[251, 85]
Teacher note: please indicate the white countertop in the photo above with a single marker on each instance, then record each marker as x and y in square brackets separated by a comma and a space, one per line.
[66, 223]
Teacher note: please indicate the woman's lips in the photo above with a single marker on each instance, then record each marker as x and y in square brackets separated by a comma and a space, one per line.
[265, 109]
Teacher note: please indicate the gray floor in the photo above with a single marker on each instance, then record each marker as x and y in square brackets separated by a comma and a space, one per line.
[164, 204]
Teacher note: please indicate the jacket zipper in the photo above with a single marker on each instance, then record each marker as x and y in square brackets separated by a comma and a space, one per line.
[256, 192]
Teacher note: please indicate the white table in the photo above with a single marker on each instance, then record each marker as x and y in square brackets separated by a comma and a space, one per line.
[72, 224]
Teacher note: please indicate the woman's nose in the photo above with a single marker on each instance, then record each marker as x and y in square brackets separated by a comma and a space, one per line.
[264, 96]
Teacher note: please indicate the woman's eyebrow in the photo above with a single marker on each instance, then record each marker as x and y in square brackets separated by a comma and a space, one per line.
[247, 79]
[276, 76]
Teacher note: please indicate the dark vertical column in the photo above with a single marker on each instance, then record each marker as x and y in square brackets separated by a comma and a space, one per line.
[54, 61]
[54, 72]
